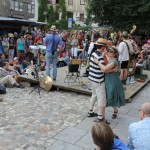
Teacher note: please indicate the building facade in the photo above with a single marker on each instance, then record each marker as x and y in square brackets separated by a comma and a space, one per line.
[75, 9]
[21, 9]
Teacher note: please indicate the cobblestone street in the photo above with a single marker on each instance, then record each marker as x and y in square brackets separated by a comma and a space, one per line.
[28, 122]
[57, 121]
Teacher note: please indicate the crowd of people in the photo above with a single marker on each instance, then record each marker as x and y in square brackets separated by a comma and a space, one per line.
[100, 52]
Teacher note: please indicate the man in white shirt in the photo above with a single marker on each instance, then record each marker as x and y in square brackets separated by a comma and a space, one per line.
[90, 51]
[124, 49]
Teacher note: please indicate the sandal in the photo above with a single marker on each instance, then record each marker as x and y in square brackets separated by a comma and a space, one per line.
[92, 114]
[114, 115]
[102, 120]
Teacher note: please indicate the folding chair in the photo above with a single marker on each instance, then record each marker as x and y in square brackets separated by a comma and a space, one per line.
[73, 72]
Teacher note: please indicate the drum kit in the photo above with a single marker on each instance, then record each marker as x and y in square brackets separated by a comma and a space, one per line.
[37, 49]
[45, 82]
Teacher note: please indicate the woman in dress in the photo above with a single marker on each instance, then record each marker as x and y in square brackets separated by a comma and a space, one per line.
[114, 88]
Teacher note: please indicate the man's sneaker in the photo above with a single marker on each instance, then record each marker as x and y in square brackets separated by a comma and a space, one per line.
[93, 114]
[20, 86]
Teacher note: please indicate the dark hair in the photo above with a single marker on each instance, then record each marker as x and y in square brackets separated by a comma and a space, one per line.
[102, 136]
[3, 63]
[96, 35]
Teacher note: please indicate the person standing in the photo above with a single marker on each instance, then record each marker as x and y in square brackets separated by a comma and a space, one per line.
[53, 42]
[114, 88]
[124, 49]
[11, 47]
[21, 48]
[5, 45]
[139, 132]
[96, 76]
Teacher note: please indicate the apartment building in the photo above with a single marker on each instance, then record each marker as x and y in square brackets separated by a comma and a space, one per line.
[21, 9]
[75, 9]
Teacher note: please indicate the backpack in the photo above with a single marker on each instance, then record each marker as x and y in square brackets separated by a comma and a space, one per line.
[2, 89]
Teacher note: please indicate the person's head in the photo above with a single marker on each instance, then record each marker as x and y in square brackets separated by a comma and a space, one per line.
[4, 38]
[145, 111]
[101, 44]
[96, 36]
[112, 51]
[21, 35]
[125, 34]
[4, 65]
[148, 41]
[53, 29]
[103, 136]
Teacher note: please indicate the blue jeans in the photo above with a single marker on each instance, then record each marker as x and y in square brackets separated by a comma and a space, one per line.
[51, 58]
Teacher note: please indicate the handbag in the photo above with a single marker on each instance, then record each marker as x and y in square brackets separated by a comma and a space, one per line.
[2, 89]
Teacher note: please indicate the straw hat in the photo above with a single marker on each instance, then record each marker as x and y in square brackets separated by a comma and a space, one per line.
[10, 35]
[53, 28]
[125, 34]
[101, 41]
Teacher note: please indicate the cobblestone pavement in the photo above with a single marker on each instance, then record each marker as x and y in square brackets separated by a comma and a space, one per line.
[28, 122]
[58, 120]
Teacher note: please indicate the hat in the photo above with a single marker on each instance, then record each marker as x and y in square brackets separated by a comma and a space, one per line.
[53, 28]
[10, 35]
[148, 41]
[125, 34]
[15, 58]
[112, 48]
[101, 41]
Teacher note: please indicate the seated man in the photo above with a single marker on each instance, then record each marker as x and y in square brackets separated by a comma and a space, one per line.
[6, 78]
[139, 132]
[16, 65]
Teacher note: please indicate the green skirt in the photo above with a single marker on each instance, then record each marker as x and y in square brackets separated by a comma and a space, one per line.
[114, 90]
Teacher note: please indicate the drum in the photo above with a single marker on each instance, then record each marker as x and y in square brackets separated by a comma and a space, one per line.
[33, 48]
[42, 49]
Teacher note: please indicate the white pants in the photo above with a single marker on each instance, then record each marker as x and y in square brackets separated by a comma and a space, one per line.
[98, 94]
[74, 51]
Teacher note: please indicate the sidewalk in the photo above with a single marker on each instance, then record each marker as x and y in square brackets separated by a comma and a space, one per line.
[79, 137]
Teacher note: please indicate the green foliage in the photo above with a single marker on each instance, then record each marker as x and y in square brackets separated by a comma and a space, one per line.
[122, 15]
[88, 9]
[42, 10]
[51, 16]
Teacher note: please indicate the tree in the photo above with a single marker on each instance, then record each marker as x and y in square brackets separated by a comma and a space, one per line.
[88, 9]
[122, 15]
[63, 22]
[51, 16]
[42, 10]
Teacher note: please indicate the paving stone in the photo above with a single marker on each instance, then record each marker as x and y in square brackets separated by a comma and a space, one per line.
[86, 142]
[71, 135]
[59, 145]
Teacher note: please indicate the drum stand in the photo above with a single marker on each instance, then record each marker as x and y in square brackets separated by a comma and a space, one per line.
[37, 88]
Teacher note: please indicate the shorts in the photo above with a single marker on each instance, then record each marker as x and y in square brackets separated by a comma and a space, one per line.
[124, 64]
[98, 93]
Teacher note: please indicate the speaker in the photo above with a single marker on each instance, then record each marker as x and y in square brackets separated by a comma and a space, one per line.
[73, 68]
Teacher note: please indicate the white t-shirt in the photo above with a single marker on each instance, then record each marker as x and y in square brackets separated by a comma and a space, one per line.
[90, 48]
[123, 50]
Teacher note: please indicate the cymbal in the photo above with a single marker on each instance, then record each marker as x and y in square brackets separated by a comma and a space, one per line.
[46, 83]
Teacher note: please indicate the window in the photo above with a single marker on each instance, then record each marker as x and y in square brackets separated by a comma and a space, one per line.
[82, 2]
[49, 1]
[81, 17]
[29, 8]
[16, 6]
[33, 2]
[20, 6]
[57, 1]
[12, 5]
[70, 2]
[33, 9]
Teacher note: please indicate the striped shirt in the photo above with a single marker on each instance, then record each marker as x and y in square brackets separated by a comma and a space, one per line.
[95, 73]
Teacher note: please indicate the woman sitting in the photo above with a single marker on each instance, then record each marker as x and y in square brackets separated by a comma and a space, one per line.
[104, 138]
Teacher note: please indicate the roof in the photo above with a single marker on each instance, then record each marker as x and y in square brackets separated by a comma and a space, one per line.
[21, 21]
